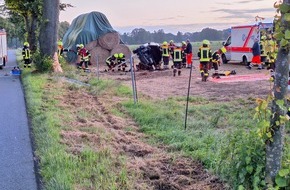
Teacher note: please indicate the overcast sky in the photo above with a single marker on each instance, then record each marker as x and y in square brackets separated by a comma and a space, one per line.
[172, 15]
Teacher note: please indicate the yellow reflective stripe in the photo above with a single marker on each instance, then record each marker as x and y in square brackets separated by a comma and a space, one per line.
[204, 54]
[177, 55]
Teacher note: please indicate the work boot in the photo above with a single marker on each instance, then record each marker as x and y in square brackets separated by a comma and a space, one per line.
[174, 72]
[260, 67]
[179, 73]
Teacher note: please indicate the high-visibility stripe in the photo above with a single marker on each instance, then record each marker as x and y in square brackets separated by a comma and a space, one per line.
[177, 55]
[204, 54]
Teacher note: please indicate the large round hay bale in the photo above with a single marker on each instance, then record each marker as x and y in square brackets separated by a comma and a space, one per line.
[91, 45]
[99, 53]
[122, 48]
[109, 40]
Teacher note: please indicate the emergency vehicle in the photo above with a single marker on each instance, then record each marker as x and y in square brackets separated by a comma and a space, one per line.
[3, 48]
[241, 40]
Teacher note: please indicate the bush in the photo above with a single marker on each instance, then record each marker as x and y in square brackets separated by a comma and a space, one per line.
[42, 63]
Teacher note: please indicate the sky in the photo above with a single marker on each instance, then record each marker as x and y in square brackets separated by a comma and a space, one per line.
[173, 15]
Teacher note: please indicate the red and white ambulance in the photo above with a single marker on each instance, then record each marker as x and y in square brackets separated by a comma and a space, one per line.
[240, 42]
[3, 48]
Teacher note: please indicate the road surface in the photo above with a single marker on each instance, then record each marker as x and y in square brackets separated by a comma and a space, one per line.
[17, 171]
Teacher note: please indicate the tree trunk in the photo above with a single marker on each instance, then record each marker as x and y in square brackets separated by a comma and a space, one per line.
[48, 32]
[274, 149]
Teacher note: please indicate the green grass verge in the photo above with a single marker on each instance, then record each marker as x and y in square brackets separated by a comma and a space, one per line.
[59, 168]
[221, 135]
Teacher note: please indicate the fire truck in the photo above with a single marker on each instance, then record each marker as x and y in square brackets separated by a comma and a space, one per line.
[241, 40]
[3, 49]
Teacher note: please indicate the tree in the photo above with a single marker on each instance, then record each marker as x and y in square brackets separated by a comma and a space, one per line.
[30, 11]
[62, 29]
[274, 146]
[49, 28]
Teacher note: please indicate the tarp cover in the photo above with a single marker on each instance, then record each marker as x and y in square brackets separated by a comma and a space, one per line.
[84, 29]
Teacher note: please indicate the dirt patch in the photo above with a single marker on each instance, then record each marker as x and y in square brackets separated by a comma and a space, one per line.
[152, 167]
[162, 84]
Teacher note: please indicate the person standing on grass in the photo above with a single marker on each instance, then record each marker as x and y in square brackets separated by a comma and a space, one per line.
[256, 60]
[188, 51]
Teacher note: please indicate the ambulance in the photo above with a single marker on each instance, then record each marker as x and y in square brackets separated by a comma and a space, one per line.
[3, 48]
[241, 40]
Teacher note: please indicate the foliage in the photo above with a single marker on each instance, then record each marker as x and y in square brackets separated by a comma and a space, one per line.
[141, 36]
[42, 63]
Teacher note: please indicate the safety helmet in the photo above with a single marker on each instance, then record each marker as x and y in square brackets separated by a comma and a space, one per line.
[171, 41]
[116, 55]
[81, 46]
[263, 37]
[164, 43]
[121, 55]
[206, 42]
[59, 43]
[26, 44]
[183, 42]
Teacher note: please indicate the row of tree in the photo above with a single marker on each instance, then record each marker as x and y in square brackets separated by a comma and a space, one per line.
[141, 36]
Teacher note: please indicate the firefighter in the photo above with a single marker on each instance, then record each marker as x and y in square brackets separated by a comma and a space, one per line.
[121, 61]
[85, 57]
[263, 44]
[59, 48]
[183, 49]
[177, 59]
[256, 60]
[165, 55]
[111, 61]
[26, 54]
[205, 56]
[216, 63]
[188, 52]
[171, 48]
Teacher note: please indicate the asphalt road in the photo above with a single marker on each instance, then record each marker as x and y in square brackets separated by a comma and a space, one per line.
[17, 170]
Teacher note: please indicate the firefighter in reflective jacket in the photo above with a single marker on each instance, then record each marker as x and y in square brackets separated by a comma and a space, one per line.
[263, 44]
[26, 54]
[165, 55]
[205, 56]
[183, 49]
[121, 61]
[111, 61]
[177, 59]
[59, 48]
[85, 57]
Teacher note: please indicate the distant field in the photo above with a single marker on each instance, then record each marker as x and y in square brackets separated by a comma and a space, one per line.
[195, 45]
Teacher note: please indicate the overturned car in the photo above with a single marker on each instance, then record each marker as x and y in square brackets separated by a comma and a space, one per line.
[149, 55]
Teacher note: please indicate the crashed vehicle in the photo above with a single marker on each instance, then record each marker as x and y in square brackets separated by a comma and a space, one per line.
[149, 55]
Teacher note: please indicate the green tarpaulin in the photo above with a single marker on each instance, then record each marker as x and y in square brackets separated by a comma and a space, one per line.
[85, 29]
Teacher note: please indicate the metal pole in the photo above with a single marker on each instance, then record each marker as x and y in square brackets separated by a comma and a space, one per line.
[98, 73]
[133, 80]
[186, 110]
